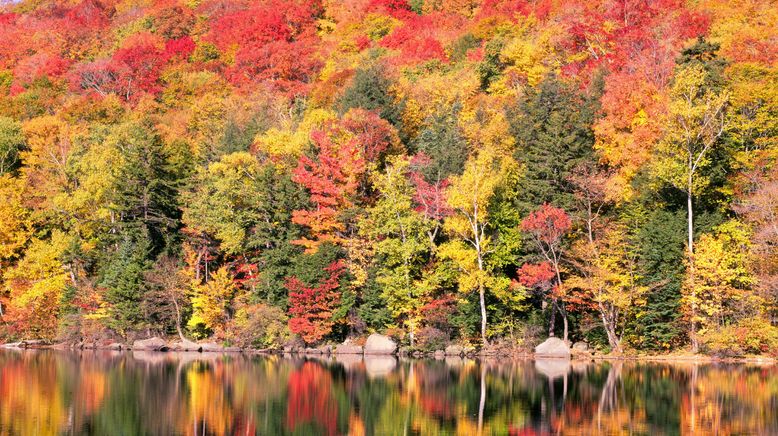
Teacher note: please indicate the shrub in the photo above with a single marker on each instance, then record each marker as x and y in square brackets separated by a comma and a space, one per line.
[749, 336]
[258, 326]
[431, 339]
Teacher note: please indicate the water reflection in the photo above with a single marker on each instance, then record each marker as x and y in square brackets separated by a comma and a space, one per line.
[112, 393]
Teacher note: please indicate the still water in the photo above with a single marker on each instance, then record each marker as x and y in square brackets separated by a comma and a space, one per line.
[135, 393]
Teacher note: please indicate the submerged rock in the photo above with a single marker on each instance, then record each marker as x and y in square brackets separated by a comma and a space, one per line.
[553, 347]
[380, 344]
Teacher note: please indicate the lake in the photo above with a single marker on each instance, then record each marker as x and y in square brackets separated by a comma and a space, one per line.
[140, 393]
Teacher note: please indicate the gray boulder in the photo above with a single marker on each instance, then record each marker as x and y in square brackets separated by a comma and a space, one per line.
[151, 344]
[553, 347]
[580, 346]
[380, 344]
[348, 348]
[454, 350]
[211, 347]
[185, 346]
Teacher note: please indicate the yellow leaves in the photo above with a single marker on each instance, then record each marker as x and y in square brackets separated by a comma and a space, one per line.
[291, 140]
[36, 284]
[211, 301]
[718, 277]
[15, 226]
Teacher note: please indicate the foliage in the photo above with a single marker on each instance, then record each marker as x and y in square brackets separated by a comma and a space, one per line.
[252, 171]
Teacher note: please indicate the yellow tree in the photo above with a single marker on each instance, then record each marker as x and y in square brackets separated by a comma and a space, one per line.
[471, 196]
[35, 285]
[695, 124]
[609, 278]
[717, 288]
[212, 303]
[15, 226]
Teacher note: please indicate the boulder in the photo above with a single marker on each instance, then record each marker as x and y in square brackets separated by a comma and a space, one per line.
[151, 344]
[312, 351]
[185, 346]
[325, 349]
[454, 350]
[233, 350]
[116, 346]
[580, 346]
[12, 345]
[439, 354]
[347, 348]
[380, 344]
[553, 347]
[211, 347]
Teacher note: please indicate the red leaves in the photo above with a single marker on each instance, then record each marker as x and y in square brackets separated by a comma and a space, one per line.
[179, 48]
[333, 177]
[548, 224]
[416, 40]
[133, 69]
[537, 275]
[430, 197]
[273, 42]
[312, 307]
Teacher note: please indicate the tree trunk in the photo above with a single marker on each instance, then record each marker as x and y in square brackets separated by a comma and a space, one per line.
[693, 290]
[552, 319]
[482, 300]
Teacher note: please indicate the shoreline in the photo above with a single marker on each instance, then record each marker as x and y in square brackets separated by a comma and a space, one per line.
[658, 358]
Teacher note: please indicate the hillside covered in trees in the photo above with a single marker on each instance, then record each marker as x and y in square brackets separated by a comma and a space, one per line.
[260, 172]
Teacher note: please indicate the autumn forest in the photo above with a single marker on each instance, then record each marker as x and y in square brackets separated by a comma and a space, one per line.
[262, 173]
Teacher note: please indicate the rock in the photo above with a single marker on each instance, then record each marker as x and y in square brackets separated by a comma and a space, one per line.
[469, 351]
[439, 354]
[380, 344]
[580, 346]
[312, 351]
[12, 345]
[34, 343]
[211, 347]
[553, 347]
[454, 350]
[185, 346]
[151, 344]
[347, 348]
[233, 350]
[325, 349]
[116, 346]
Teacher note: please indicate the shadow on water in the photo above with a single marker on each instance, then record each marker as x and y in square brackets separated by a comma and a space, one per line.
[140, 393]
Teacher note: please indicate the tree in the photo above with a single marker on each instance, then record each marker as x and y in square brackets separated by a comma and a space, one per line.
[165, 299]
[122, 279]
[401, 245]
[212, 304]
[552, 125]
[610, 278]
[313, 307]
[333, 178]
[697, 119]
[11, 143]
[717, 289]
[35, 286]
[547, 226]
[471, 196]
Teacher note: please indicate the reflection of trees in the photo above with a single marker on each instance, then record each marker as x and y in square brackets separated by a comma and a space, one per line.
[154, 393]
